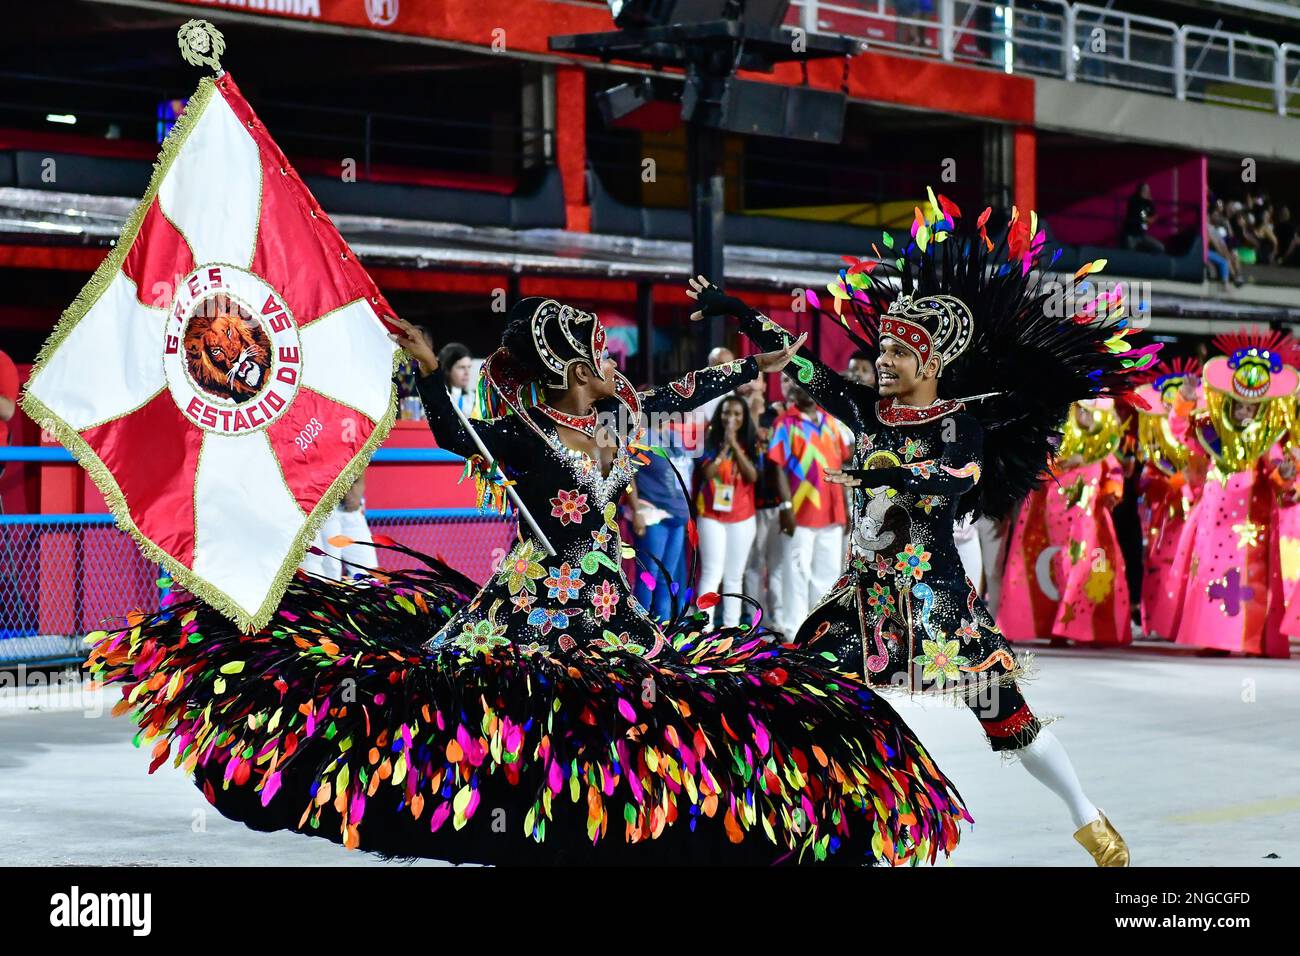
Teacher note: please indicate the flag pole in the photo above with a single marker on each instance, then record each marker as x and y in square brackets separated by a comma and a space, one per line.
[510, 489]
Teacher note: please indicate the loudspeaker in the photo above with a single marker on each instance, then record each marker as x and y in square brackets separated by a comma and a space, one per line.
[770, 109]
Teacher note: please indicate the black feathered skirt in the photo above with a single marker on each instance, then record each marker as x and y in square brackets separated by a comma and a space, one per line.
[337, 720]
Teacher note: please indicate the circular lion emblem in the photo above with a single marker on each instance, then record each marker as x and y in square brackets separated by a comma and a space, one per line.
[227, 352]
[231, 350]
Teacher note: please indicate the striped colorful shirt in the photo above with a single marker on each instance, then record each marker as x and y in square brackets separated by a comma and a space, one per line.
[808, 446]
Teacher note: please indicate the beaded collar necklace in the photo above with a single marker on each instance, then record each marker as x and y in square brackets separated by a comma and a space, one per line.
[579, 423]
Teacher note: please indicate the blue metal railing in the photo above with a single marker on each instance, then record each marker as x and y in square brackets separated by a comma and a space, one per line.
[71, 549]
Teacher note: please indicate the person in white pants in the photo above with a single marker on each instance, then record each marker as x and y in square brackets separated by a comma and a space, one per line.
[806, 444]
[813, 558]
[763, 577]
[347, 520]
[993, 549]
[966, 534]
[765, 572]
[724, 501]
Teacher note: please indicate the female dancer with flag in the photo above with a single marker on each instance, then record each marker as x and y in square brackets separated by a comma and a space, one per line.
[547, 717]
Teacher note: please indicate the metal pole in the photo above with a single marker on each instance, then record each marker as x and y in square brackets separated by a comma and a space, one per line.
[510, 490]
[704, 145]
[1068, 42]
[947, 36]
[1279, 80]
[645, 331]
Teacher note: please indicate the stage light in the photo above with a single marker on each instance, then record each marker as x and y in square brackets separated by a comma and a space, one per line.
[66, 119]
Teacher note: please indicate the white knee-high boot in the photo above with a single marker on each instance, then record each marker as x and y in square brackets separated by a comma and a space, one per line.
[1048, 762]
[1050, 765]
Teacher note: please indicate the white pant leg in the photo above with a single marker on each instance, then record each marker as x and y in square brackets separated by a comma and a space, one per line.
[827, 562]
[756, 567]
[713, 553]
[969, 550]
[740, 540]
[774, 548]
[797, 570]
[327, 564]
[353, 524]
[992, 542]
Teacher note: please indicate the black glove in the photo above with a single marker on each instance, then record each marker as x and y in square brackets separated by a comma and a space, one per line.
[713, 301]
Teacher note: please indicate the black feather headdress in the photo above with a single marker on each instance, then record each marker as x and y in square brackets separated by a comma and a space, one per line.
[1038, 344]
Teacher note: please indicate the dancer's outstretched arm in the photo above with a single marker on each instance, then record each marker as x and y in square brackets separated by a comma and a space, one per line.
[497, 435]
[695, 388]
[850, 402]
[955, 472]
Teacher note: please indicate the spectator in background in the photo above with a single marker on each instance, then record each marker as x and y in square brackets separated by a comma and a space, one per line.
[1244, 239]
[725, 476]
[1288, 245]
[754, 392]
[659, 514]
[763, 573]
[812, 511]
[718, 356]
[862, 369]
[1137, 222]
[1220, 254]
[1266, 235]
[8, 403]
[343, 540]
[458, 369]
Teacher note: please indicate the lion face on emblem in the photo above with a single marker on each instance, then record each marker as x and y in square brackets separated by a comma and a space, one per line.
[227, 352]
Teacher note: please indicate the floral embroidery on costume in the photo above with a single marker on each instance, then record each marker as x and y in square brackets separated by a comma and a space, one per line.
[483, 634]
[563, 584]
[609, 642]
[879, 600]
[549, 618]
[522, 571]
[940, 659]
[912, 561]
[569, 506]
[604, 600]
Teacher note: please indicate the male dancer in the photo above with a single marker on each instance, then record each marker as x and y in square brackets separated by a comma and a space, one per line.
[904, 611]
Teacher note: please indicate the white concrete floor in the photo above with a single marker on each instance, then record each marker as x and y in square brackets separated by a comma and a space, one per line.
[1195, 760]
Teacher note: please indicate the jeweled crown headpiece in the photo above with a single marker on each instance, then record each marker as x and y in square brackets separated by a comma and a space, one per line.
[930, 325]
[563, 335]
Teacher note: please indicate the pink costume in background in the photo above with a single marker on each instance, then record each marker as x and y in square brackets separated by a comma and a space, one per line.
[1173, 475]
[1231, 554]
[1065, 572]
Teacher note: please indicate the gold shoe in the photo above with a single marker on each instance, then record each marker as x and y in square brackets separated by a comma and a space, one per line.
[1103, 841]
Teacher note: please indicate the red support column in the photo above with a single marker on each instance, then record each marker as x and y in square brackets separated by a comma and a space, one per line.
[1025, 161]
[571, 144]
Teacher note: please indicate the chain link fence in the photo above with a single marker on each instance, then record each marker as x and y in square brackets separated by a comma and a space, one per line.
[63, 576]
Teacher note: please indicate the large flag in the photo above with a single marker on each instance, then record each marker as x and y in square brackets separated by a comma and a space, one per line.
[224, 375]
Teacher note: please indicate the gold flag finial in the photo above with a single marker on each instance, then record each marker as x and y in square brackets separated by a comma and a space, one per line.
[201, 43]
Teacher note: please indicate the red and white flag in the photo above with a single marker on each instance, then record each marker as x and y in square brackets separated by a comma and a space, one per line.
[224, 375]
